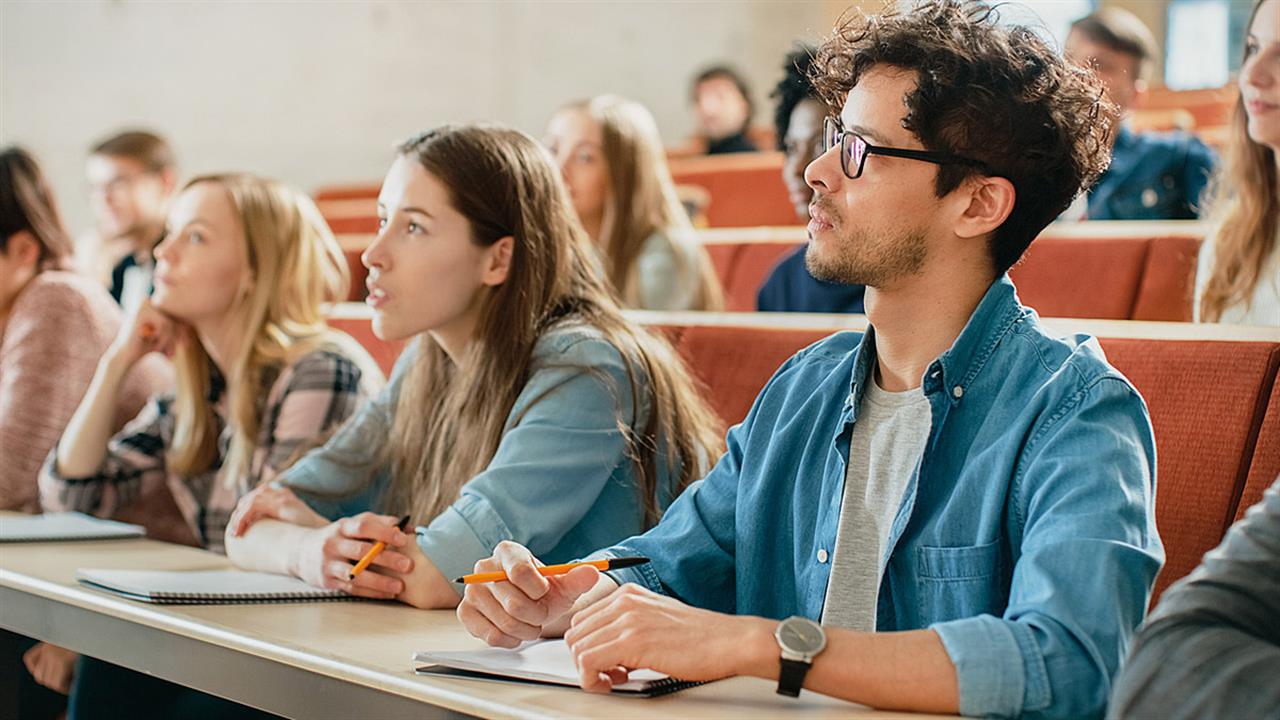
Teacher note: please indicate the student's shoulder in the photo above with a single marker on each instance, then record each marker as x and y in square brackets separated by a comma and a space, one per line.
[325, 368]
[575, 342]
[1073, 364]
[1174, 146]
[67, 301]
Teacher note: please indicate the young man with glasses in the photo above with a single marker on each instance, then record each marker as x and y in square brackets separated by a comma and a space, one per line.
[131, 177]
[965, 503]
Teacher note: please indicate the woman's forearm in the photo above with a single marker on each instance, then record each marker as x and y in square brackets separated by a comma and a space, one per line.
[83, 446]
[267, 546]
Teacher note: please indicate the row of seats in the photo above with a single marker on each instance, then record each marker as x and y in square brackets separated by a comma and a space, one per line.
[1108, 270]
[1212, 392]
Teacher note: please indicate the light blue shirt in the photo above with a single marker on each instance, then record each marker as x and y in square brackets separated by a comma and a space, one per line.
[1026, 537]
[560, 482]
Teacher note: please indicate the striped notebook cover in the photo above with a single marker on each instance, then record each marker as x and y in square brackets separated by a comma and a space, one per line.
[204, 587]
[542, 662]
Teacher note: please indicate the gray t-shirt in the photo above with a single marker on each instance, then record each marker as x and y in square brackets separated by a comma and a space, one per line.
[888, 441]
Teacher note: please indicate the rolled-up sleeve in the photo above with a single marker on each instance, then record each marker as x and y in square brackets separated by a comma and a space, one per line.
[562, 445]
[1222, 624]
[1084, 496]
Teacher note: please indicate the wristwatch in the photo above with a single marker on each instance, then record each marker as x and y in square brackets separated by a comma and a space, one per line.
[800, 639]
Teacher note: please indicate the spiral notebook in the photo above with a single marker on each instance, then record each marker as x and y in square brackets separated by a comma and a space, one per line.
[204, 587]
[63, 526]
[543, 662]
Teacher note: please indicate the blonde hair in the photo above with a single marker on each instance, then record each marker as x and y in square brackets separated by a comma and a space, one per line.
[449, 417]
[1245, 214]
[642, 200]
[296, 267]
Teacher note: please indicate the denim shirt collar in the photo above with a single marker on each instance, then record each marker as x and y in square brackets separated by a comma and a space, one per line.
[952, 371]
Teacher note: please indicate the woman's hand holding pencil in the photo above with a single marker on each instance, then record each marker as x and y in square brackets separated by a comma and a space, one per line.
[326, 556]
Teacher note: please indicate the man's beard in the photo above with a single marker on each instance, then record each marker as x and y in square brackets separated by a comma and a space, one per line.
[863, 258]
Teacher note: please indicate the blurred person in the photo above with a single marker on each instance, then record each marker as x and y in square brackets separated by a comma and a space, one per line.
[723, 109]
[612, 162]
[1238, 276]
[131, 175]
[1152, 176]
[798, 119]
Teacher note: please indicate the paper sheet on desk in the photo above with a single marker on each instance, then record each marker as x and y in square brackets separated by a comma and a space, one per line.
[541, 661]
[64, 526]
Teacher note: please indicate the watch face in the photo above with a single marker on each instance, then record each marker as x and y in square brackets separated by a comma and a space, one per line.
[801, 635]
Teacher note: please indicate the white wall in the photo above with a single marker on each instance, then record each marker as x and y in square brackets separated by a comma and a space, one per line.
[319, 92]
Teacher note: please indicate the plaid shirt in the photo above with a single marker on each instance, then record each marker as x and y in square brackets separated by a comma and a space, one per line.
[307, 400]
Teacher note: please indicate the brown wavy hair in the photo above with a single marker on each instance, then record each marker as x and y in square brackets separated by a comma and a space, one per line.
[998, 95]
[26, 203]
[1244, 213]
[449, 417]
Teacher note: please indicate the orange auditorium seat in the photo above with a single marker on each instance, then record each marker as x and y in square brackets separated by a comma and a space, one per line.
[746, 189]
[1264, 470]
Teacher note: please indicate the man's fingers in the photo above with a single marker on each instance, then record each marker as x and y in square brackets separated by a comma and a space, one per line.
[493, 611]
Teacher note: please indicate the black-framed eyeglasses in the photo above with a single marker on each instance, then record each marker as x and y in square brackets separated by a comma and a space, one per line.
[854, 150]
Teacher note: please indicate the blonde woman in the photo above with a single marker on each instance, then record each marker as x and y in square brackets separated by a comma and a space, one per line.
[242, 279]
[613, 163]
[1239, 271]
[528, 408]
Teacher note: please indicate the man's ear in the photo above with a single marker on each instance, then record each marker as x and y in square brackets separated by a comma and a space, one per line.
[498, 261]
[990, 203]
[23, 250]
[168, 181]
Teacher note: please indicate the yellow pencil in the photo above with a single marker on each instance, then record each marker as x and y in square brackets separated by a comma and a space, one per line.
[376, 550]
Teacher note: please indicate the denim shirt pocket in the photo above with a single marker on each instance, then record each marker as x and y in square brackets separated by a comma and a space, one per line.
[961, 582]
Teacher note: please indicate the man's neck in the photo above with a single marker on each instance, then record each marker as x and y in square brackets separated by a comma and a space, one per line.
[919, 318]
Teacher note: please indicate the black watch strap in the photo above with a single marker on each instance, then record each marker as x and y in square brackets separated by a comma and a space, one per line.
[791, 679]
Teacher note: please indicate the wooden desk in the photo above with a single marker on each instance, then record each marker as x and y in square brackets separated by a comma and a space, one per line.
[314, 660]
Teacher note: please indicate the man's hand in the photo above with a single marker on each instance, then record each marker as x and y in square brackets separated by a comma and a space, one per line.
[527, 606]
[636, 628]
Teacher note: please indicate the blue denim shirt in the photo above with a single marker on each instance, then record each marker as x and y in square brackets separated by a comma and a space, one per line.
[1026, 538]
[559, 483]
[1152, 176]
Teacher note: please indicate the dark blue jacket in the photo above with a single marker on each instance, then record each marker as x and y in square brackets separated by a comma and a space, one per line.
[790, 288]
[1153, 176]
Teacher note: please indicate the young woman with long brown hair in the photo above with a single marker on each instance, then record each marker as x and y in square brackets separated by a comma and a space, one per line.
[528, 408]
[612, 160]
[1239, 270]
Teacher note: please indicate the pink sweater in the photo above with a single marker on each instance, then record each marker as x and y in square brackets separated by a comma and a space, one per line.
[58, 329]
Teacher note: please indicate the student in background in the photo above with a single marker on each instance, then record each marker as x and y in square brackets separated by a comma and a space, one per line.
[243, 275]
[528, 408]
[132, 176]
[1152, 176]
[54, 325]
[613, 163]
[1211, 648]
[1238, 276]
[723, 109]
[965, 501]
[790, 286]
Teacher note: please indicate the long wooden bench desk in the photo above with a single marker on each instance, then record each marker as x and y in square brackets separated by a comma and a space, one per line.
[315, 660]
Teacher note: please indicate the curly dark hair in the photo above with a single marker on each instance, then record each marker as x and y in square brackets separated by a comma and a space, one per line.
[998, 95]
[794, 88]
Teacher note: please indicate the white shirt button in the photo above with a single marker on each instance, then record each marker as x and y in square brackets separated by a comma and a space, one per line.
[957, 391]
[822, 555]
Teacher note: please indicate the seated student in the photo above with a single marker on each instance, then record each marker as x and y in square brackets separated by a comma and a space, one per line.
[722, 108]
[790, 286]
[242, 277]
[54, 325]
[965, 502]
[1152, 176]
[1238, 274]
[1211, 648]
[612, 161]
[132, 176]
[528, 408]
